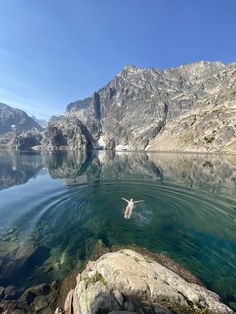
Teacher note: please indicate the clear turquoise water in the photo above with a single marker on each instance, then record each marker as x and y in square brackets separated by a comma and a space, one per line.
[62, 203]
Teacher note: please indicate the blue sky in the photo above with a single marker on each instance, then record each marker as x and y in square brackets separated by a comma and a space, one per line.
[53, 52]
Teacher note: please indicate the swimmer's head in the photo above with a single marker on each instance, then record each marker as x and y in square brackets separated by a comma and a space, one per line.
[131, 200]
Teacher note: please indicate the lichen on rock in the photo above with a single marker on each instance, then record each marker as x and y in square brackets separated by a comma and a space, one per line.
[127, 282]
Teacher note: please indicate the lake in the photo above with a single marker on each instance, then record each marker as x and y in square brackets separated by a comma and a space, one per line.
[55, 206]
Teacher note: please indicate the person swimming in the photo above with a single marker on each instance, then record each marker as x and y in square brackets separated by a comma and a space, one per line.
[130, 207]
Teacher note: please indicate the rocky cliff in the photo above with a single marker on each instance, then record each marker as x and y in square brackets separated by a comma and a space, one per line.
[14, 124]
[67, 132]
[189, 108]
[128, 282]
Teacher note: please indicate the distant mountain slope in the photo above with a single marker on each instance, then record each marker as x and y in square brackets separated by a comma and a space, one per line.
[10, 116]
[17, 128]
[43, 123]
[188, 108]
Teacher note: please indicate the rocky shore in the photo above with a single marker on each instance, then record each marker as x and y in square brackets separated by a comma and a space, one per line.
[129, 282]
[118, 281]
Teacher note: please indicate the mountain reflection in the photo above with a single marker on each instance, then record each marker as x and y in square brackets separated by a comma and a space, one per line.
[17, 168]
[211, 172]
[50, 225]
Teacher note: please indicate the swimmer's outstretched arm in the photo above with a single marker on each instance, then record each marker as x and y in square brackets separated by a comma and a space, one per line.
[138, 201]
[125, 199]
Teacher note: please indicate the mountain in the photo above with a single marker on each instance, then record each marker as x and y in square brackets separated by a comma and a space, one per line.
[11, 116]
[14, 122]
[188, 108]
[43, 123]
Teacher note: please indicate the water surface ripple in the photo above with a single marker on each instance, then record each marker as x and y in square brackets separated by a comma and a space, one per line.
[54, 208]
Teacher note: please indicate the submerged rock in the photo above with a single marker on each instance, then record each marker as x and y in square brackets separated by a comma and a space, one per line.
[1, 292]
[16, 260]
[128, 282]
[37, 299]
[10, 292]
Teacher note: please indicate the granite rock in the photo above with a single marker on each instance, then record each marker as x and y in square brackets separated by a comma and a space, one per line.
[66, 132]
[188, 108]
[128, 282]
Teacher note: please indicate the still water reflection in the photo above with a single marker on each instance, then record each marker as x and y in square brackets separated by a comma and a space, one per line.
[55, 206]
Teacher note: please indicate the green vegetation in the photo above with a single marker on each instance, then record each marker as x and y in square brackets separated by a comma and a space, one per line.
[191, 308]
[147, 259]
[207, 164]
[136, 259]
[2, 146]
[209, 139]
[95, 278]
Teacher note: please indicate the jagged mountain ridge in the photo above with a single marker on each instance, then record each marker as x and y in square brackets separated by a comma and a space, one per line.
[188, 108]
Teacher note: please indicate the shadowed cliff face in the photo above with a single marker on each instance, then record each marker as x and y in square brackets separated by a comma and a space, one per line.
[189, 108]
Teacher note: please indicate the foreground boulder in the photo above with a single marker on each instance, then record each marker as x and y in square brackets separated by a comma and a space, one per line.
[128, 282]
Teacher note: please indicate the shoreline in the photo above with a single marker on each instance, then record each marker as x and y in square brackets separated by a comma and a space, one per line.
[126, 281]
[46, 297]
[218, 153]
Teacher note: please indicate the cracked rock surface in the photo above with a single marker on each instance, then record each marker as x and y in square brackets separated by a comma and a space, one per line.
[188, 108]
[128, 282]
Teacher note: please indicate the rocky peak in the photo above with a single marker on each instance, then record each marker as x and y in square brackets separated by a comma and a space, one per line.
[187, 108]
[139, 104]
[202, 66]
[4, 106]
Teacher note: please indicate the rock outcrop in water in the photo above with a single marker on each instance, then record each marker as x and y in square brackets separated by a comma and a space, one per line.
[188, 108]
[67, 133]
[128, 282]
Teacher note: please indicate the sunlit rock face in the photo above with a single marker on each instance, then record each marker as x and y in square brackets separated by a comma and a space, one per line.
[189, 108]
[128, 282]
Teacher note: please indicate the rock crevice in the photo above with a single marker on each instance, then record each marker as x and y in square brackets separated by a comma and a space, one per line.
[128, 282]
